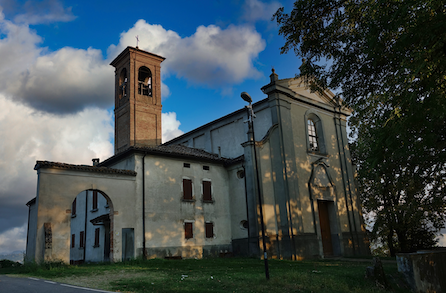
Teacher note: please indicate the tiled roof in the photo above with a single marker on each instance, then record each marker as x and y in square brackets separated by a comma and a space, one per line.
[83, 168]
[176, 151]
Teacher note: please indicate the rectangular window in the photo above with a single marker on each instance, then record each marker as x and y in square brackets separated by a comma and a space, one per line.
[187, 189]
[206, 168]
[188, 230]
[209, 227]
[73, 240]
[96, 237]
[82, 239]
[207, 191]
[186, 165]
[73, 208]
[95, 199]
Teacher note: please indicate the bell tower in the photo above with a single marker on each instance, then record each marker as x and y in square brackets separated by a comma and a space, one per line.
[137, 99]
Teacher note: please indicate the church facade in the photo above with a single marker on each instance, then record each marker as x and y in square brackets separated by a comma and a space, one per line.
[197, 195]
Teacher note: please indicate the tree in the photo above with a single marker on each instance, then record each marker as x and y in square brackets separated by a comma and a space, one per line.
[386, 59]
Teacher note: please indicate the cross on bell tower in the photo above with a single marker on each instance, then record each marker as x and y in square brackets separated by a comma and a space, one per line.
[137, 99]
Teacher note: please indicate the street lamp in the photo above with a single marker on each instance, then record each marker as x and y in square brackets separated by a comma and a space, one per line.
[246, 97]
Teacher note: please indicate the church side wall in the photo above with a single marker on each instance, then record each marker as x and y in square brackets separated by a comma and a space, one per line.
[239, 217]
[228, 134]
[167, 213]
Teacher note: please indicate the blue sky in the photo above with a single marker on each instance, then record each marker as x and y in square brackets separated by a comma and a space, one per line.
[56, 84]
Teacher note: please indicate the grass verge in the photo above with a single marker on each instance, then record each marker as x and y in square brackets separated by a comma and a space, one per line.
[215, 275]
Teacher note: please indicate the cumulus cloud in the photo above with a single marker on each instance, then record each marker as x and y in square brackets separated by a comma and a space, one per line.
[212, 56]
[28, 136]
[65, 81]
[170, 126]
[18, 233]
[255, 10]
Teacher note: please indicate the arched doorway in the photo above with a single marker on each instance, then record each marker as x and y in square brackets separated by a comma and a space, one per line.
[91, 227]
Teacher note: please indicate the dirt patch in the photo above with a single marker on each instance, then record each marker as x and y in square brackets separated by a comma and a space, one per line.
[102, 280]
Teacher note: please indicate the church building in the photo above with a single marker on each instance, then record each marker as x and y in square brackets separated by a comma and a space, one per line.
[208, 191]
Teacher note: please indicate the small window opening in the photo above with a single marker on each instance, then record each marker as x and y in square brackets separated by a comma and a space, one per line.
[241, 174]
[123, 83]
[187, 189]
[73, 239]
[209, 227]
[206, 168]
[186, 165]
[188, 230]
[82, 239]
[144, 81]
[207, 191]
[96, 237]
[73, 208]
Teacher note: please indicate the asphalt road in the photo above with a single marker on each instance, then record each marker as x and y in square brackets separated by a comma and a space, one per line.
[34, 285]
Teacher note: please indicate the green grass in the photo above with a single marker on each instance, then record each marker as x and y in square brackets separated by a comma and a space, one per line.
[214, 275]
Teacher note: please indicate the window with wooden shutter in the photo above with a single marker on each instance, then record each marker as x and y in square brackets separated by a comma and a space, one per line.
[82, 239]
[209, 227]
[207, 191]
[187, 189]
[96, 237]
[95, 200]
[188, 230]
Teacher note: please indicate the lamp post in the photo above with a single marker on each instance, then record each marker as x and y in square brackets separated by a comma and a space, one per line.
[246, 97]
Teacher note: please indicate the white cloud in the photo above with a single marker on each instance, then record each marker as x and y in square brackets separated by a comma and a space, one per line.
[13, 239]
[28, 136]
[255, 10]
[170, 126]
[65, 81]
[212, 56]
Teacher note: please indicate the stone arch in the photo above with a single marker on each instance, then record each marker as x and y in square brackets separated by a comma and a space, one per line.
[57, 188]
[91, 227]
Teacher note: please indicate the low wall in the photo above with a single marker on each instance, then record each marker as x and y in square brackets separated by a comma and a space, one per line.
[425, 271]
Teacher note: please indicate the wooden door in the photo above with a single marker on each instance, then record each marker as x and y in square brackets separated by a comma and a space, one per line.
[324, 222]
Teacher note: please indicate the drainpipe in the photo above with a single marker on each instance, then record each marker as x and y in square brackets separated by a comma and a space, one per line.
[247, 210]
[343, 183]
[144, 253]
[85, 224]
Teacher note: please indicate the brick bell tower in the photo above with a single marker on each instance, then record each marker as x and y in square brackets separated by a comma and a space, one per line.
[137, 99]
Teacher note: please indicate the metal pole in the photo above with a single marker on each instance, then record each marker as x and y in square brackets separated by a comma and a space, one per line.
[251, 127]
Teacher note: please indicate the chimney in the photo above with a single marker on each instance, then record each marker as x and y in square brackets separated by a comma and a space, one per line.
[95, 162]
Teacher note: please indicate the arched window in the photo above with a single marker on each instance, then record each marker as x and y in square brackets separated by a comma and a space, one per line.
[315, 134]
[123, 83]
[144, 81]
[312, 136]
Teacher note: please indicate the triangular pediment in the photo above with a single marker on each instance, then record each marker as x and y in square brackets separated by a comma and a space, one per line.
[298, 86]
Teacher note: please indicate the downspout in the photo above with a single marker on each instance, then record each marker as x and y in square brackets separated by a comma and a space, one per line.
[343, 183]
[85, 223]
[247, 210]
[144, 253]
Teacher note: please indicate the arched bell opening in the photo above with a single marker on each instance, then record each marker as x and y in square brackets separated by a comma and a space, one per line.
[144, 81]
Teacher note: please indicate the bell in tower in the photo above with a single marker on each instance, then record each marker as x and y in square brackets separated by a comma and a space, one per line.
[137, 99]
